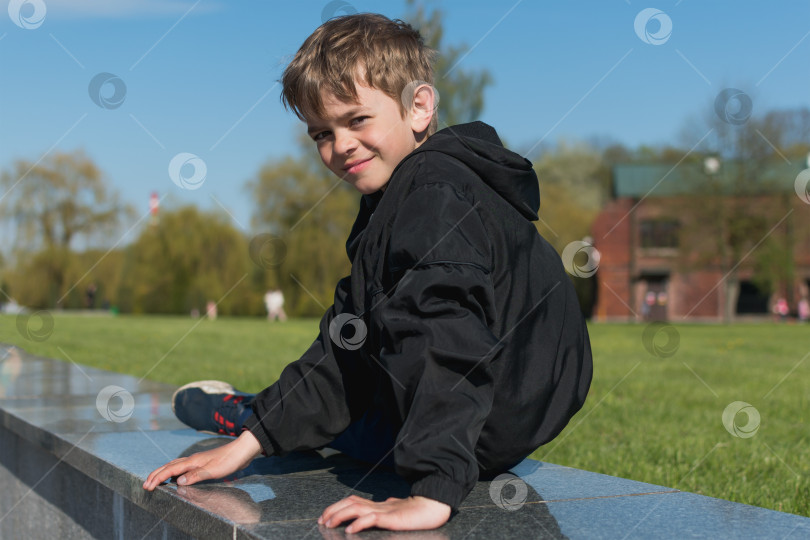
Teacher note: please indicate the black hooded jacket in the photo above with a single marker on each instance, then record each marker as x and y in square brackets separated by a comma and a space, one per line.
[458, 323]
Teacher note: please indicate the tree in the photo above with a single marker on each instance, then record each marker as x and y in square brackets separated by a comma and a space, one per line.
[54, 201]
[51, 203]
[572, 190]
[39, 278]
[188, 258]
[461, 91]
[571, 193]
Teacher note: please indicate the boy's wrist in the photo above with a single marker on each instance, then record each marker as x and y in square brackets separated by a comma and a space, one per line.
[253, 425]
[249, 444]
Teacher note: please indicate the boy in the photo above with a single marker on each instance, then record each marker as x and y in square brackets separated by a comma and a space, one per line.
[457, 346]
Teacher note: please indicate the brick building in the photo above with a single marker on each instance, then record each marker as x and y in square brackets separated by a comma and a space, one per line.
[660, 257]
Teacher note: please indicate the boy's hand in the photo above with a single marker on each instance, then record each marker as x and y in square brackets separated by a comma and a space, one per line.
[215, 463]
[411, 514]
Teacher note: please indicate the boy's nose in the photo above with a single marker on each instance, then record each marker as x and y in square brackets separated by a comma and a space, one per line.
[344, 143]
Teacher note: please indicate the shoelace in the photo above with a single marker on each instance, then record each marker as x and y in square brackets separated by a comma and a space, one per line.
[232, 408]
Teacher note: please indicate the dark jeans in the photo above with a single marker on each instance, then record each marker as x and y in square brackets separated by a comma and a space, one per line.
[370, 439]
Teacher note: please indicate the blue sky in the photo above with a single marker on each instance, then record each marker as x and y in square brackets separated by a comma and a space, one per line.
[200, 77]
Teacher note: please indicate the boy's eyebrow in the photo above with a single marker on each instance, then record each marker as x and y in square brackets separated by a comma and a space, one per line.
[314, 125]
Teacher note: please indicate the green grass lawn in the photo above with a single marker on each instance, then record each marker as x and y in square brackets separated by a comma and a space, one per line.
[648, 418]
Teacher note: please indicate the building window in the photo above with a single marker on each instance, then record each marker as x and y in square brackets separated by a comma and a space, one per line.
[659, 233]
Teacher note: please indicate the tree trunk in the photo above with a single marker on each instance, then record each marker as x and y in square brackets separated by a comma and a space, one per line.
[732, 287]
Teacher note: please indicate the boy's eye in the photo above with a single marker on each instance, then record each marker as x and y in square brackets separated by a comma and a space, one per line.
[354, 122]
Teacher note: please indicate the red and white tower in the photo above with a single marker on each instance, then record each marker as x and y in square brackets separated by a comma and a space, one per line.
[154, 204]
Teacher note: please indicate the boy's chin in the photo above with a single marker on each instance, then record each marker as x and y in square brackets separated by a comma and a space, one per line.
[367, 188]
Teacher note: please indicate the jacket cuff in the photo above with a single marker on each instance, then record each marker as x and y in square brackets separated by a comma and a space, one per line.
[252, 423]
[439, 488]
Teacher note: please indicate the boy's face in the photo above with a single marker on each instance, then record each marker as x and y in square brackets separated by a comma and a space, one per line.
[363, 142]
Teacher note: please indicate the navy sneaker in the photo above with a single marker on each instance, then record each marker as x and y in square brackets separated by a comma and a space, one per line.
[212, 406]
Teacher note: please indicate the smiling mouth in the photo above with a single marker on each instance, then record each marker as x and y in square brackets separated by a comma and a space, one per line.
[357, 166]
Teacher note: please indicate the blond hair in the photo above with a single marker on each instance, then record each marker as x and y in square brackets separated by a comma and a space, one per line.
[385, 54]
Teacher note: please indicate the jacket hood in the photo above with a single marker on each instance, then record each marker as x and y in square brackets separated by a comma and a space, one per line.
[478, 146]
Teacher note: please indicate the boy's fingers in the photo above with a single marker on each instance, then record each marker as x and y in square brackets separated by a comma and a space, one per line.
[332, 509]
[151, 480]
[193, 476]
[157, 478]
[160, 475]
[352, 511]
[364, 522]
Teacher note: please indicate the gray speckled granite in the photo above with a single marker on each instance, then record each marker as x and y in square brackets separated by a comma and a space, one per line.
[675, 515]
[74, 473]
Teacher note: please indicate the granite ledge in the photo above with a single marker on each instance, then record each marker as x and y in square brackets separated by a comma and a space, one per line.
[53, 430]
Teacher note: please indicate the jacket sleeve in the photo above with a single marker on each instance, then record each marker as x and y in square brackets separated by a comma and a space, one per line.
[317, 396]
[437, 345]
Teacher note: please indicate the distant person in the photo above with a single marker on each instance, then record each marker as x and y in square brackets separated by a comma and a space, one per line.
[457, 346]
[646, 306]
[804, 309]
[90, 296]
[274, 302]
[781, 309]
[211, 310]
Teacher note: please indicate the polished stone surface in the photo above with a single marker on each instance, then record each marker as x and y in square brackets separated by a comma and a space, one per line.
[675, 515]
[43, 497]
[63, 433]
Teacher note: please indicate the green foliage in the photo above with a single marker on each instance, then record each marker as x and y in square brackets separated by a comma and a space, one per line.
[571, 193]
[35, 282]
[41, 278]
[187, 258]
[58, 199]
[50, 204]
[303, 203]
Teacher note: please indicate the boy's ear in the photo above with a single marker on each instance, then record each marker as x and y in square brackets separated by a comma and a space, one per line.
[423, 106]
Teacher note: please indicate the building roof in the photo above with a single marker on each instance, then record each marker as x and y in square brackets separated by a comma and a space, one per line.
[662, 180]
